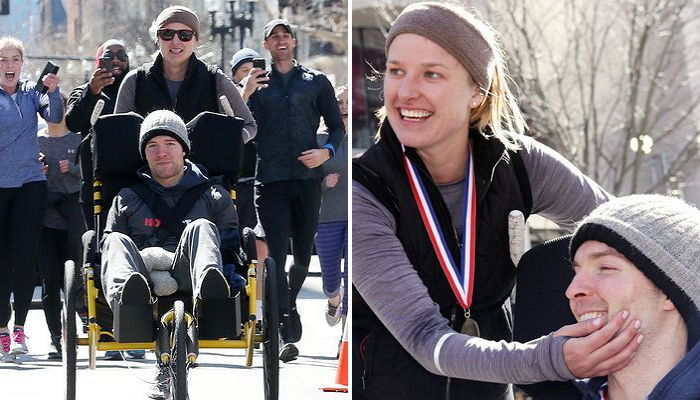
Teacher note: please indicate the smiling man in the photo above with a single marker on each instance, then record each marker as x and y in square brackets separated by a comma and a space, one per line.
[134, 232]
[288, 114]
[642, 253]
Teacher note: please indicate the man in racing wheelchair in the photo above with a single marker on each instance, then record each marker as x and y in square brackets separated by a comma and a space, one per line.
[147, 251]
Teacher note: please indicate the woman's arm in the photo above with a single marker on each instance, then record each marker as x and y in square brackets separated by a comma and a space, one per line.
[560, 192]
[126, 97]
[225, 86]
[388, 282]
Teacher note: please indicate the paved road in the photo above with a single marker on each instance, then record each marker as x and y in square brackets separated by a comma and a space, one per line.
[221, 374]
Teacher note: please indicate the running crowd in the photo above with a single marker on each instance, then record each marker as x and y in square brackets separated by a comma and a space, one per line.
[292, 192]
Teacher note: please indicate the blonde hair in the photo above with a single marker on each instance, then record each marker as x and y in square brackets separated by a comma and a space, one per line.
[14, 43]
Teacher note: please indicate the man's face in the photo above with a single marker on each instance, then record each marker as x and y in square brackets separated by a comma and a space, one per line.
[280, 44]
[120, 60]
[165, 159]
[606, 282]
[242, 72]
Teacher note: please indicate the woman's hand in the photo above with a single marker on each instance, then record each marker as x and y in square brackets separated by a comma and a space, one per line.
[597, 350]
[51, 82]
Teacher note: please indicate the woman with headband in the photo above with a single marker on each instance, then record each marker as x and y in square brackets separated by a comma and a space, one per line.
[431, 199]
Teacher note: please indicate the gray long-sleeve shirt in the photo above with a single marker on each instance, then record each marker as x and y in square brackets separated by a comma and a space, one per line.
[387, 281]
[57, 148]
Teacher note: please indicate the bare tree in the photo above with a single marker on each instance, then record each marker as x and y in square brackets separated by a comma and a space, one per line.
[599, 78]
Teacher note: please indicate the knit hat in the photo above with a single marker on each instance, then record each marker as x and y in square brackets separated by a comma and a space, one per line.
[241, 57]
[179, 14]
[661, 236]
[267, 31]
[163, 122]
[454, 29]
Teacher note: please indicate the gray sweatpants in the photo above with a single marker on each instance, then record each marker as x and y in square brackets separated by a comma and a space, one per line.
[196, 252]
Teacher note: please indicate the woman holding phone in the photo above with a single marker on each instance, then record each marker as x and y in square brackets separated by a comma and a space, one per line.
[22, 187]
[449, 165]
[177, 80]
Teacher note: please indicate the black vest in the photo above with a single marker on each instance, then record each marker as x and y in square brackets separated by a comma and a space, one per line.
[501, 186]
[197, 93]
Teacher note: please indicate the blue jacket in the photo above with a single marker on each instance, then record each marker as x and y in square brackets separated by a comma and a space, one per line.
[288, 117]
[19, 147]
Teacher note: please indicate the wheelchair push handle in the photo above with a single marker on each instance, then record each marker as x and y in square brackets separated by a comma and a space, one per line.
[516, 236]
[226, 106]
[97, 111]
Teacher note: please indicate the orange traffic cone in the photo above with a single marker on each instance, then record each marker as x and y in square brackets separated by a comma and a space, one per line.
[341, 377]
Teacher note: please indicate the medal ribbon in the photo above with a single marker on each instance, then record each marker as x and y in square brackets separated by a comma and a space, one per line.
[460, 277]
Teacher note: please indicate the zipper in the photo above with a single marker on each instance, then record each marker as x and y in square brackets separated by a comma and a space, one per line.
[362, 357]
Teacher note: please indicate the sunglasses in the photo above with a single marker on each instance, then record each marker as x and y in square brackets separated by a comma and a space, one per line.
[120, 55]
[184, 35]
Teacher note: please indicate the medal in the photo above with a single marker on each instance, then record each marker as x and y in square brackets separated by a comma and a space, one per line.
[459, 276]
[470, 327]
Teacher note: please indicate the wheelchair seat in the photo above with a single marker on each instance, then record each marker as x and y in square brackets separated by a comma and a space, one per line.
[541, 307]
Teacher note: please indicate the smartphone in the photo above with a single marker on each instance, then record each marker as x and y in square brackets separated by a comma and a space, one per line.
[50, 68]
[260, 63]
[106, 63]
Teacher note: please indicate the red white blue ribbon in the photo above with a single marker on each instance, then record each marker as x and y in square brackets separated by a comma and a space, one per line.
[460, 277]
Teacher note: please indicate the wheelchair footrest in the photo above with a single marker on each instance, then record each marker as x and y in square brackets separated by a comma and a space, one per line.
[133, 323]
[219, 318]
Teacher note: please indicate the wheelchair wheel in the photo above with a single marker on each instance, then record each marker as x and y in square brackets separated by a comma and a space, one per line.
[68, 333]
[178, 365]
[271, 362]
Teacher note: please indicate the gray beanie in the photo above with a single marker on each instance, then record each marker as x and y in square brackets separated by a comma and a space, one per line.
[454, 29]
[163, 122]
[660, 235]
[179, 14]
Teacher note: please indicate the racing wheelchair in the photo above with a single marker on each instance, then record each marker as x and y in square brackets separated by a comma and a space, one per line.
[173, 333]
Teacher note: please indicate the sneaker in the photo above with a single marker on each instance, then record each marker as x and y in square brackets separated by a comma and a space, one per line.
[112, 355]
[135, 290]
[293, 325]
[136, 354]
[19, 345]
[115, 355]
[213, 285]
[333, 312]
[288, 352]
[5, 343]
[161, 387]
[55, 348]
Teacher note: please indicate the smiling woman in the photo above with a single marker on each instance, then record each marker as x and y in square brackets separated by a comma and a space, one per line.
[22, 186]
[431, 200]
[177, 80]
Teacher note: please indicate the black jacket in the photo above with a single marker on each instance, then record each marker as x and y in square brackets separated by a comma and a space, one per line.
[197, 93]
[288, 118]
[389, 371]
[81, 103]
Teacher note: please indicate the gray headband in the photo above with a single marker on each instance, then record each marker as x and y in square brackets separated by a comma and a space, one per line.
[453, 29]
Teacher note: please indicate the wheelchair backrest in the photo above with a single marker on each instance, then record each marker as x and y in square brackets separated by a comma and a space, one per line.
[216, 143]
[541, 307]
[115, 155]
